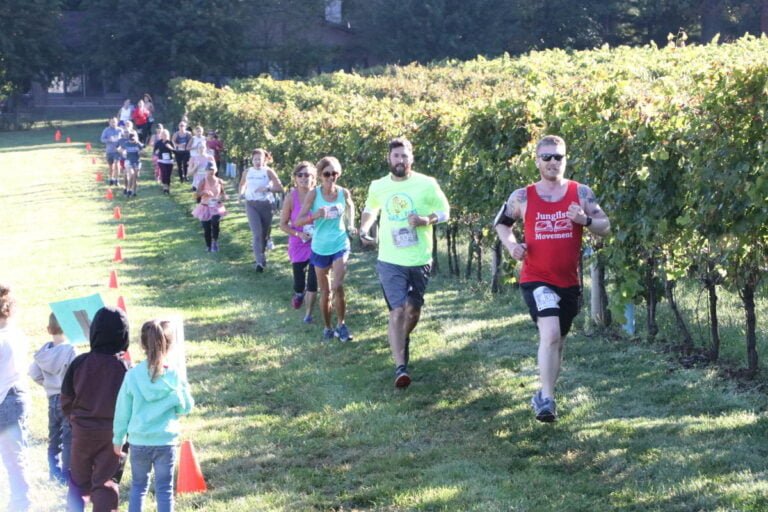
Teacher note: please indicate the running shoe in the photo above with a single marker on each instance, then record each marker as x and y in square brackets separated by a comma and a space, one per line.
[307, 319]
[343, 333]
[543, 408]
[259, 268]
[297, 300]
[215, 246]
[402, 379]
[270, 244]
[328, 334]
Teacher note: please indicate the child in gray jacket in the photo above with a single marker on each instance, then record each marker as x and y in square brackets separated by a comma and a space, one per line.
[48, 369]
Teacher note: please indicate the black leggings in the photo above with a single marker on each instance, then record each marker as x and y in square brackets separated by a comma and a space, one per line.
[182, 160]
[304, 279]
[143, 132]
[165, 173]
[211, 229]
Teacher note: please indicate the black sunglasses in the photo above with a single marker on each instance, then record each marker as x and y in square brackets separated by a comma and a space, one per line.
[302, 175]
[328, 174]
[549, 156]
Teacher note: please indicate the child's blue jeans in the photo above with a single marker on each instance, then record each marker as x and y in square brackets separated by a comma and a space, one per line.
[13, 443]
[59, 441]
[143, 459]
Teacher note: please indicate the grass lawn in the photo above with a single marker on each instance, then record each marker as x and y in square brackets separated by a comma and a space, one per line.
[287, 422]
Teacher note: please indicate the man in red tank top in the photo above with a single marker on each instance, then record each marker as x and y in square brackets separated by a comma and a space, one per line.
[554, 212]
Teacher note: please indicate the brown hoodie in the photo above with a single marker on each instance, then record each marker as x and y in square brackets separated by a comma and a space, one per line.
[91, 384]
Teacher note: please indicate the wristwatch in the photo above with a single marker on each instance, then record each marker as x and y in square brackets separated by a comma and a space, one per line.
[588, 222]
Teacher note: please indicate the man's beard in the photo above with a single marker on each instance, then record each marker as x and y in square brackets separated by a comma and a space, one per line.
[398, 170]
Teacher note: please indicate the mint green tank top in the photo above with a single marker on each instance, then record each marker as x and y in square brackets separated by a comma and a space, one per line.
[330, 235]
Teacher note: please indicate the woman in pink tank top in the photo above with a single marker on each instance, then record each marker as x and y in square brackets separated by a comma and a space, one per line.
[299, 247]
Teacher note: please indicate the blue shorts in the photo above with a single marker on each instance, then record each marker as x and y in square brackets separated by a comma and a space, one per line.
[322, 261]
[403, 284]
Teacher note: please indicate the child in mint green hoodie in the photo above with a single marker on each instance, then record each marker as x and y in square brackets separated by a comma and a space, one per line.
[148, 407]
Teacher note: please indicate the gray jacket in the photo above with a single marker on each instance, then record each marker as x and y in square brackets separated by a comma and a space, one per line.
[50, 364]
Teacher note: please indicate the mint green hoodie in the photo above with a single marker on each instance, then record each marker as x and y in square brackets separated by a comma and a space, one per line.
[148, 412]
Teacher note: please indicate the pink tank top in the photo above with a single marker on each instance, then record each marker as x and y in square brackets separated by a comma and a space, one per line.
[298, 250]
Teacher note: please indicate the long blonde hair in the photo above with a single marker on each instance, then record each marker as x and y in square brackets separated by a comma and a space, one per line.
[157, 336]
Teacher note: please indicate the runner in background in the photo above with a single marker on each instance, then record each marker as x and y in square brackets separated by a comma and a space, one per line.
[181, 141]
[110, 137]
[299, 239]
[333, 215]
[257, 187]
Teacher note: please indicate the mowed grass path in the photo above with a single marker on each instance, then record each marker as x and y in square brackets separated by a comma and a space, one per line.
[285, 422]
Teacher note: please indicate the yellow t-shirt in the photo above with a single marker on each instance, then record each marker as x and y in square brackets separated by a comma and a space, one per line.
[399, 243]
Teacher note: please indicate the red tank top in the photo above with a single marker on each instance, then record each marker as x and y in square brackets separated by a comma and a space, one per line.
[553, 241]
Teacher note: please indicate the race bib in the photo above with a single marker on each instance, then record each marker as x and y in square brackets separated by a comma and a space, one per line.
[213, 203]
[545, 298]
[166, 156]
[404, 237]
[332, 212]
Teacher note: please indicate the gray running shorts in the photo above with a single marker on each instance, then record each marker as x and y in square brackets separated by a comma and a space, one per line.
[401, 284]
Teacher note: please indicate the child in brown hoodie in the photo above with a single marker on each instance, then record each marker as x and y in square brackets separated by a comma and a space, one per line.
[88, 396]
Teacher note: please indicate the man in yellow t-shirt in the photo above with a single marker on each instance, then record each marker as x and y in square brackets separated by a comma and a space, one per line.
[410, 202]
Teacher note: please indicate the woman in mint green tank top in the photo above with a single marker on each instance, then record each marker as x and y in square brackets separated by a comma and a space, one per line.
[333, 215]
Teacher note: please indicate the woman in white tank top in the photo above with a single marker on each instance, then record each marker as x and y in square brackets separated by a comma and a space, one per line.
[257, 187]
[124, 114]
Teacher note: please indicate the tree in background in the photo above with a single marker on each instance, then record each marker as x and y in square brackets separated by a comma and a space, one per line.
[193, 38]
[215, 40]
[281, 37]
[211, 40]
[424, 30]
[29, 43]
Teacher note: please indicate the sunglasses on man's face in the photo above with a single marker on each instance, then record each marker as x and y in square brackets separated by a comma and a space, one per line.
[328, 174]
[549, 156]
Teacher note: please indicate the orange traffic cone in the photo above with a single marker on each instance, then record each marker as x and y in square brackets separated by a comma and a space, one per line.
[69, 139]
[190, 477]
[99, 177]
[117, 213]
[120, 231]
[88, 147]
[113, 279]
[109, 196]
[57, 136]
[121, 305]
[118, 256]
